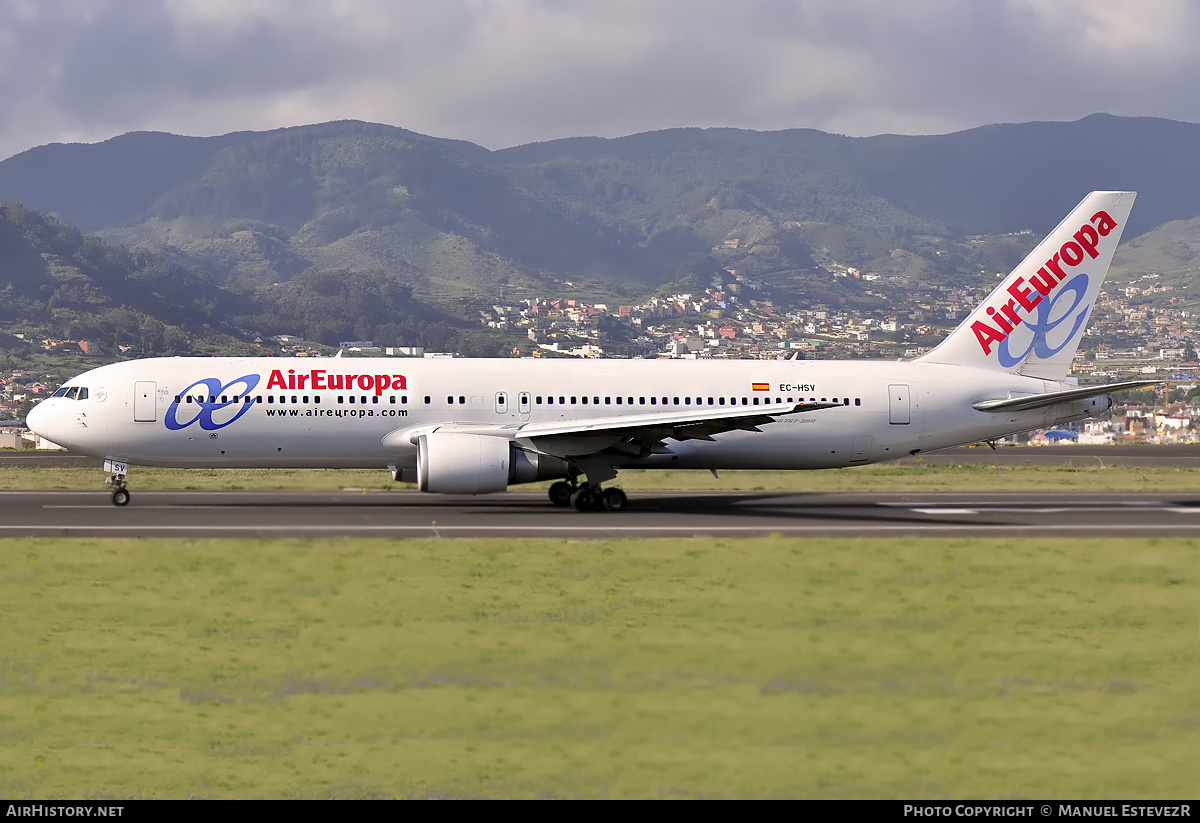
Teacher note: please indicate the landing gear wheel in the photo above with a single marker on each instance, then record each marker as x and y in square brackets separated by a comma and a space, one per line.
[560, 493]
[584, 499]
[120, 497]
[615, 500]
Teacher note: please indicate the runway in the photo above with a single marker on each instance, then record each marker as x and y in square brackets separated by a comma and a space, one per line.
[527, 514]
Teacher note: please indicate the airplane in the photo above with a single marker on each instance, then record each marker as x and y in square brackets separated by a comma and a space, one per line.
[476, 426]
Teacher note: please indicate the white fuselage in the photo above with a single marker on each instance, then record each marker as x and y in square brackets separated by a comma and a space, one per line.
[192, 412]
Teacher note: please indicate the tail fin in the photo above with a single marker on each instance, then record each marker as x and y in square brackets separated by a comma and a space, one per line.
[1031, 323]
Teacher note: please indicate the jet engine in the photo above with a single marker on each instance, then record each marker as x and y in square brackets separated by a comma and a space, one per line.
[460, 463]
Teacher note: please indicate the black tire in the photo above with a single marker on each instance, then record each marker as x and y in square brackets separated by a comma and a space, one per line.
[615, 500]
[560, 493]
[584, 499]
[120, 497]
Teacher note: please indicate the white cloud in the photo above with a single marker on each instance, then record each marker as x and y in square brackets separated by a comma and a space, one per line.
[502, 73]
[1136, 34]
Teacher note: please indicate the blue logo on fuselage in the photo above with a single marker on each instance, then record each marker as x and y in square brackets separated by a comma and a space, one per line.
[211, 403]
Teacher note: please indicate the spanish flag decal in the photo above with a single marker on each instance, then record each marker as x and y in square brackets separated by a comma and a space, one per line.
[761, 386]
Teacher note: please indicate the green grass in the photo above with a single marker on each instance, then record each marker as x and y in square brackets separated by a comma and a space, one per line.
[639, 668]
[887, 477]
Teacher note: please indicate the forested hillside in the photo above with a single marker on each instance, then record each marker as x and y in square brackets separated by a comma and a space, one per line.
[464, 227]
[55, 282]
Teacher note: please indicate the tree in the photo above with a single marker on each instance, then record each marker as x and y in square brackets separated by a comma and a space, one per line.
[151, 338]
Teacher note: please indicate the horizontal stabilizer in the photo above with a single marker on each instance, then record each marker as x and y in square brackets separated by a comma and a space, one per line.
[1040, 401]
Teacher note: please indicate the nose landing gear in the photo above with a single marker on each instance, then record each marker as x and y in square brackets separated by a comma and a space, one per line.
[120, 494]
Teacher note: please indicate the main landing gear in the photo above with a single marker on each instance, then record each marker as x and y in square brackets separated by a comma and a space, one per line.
[120, 494]
[586, 498]
[589, 497]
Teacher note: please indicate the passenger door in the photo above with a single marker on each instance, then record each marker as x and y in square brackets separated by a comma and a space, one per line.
[144, 393]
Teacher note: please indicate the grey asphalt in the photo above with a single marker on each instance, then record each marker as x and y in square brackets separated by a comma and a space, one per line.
[524, 514]
[663, 514]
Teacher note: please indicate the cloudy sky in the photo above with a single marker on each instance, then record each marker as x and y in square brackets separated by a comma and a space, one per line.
[505, 72]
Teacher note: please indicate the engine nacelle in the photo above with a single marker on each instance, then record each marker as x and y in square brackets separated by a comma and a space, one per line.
[459, 463]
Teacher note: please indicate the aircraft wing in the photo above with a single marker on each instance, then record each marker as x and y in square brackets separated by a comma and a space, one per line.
[1038, 401]
[638, 434]
[643, 434]
[723, 418]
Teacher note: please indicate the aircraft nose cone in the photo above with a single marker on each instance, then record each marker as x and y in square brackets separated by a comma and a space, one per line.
[38, 419]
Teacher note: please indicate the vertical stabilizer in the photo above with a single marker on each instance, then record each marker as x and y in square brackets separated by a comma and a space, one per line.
[1032, 322]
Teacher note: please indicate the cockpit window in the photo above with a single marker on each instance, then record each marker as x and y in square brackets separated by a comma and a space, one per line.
[72, 392]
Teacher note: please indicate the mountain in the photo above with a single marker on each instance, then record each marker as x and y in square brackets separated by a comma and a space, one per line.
[54, 281]
[1171, 251]
[461, 225]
